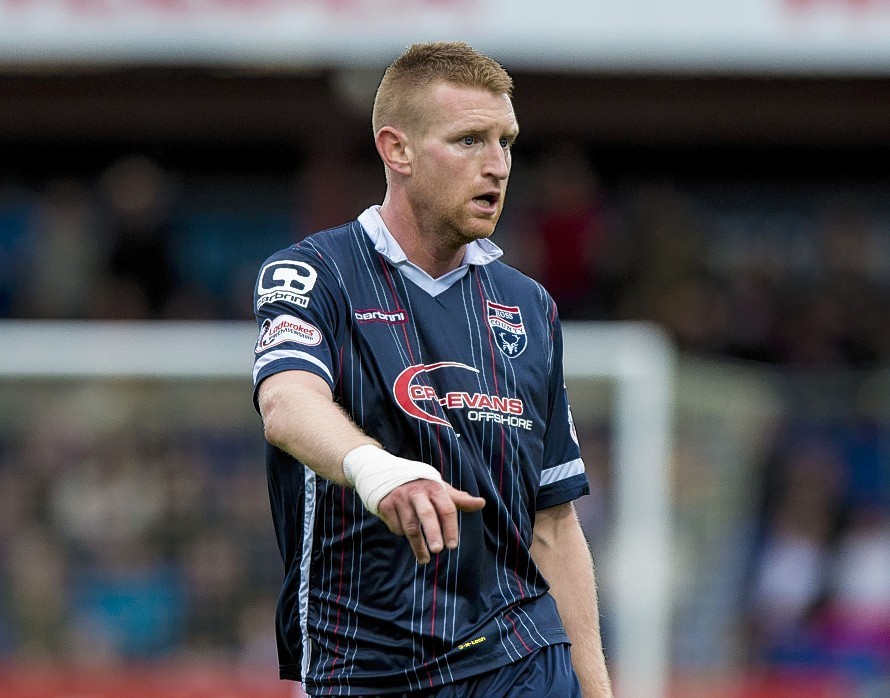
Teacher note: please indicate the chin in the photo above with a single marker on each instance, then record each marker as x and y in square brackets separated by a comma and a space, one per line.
[482, 228]
[478, 234]
[473, 228]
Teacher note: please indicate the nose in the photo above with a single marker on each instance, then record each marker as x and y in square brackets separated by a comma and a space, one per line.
[497, 161]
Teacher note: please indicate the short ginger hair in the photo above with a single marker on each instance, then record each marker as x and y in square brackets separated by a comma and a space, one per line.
[406, 81]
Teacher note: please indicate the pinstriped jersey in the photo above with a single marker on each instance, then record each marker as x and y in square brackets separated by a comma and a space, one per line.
[463, 373]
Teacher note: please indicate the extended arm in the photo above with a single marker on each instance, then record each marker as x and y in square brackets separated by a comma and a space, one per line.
[560, 551]
[301, 418]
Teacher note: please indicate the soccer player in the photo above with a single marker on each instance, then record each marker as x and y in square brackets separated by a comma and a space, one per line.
[421, 457]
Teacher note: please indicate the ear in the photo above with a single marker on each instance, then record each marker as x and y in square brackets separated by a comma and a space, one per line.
[394, 149]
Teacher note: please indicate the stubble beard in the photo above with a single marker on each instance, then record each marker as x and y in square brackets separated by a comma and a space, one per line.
[455, 229]
[464, 228]
[460, 233]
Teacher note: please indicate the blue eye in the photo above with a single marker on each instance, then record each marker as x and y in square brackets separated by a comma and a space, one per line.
[468, 140]
[505, 142]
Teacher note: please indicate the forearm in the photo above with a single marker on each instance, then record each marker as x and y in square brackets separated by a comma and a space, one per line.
[300, 417]
[560, 551]
[410, 497]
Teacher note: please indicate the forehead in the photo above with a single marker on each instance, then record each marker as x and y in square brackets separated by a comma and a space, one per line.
[455, 107]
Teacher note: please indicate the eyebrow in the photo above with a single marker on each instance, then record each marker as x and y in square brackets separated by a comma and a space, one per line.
[477, 126]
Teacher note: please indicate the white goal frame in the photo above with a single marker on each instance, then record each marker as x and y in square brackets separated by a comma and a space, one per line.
[639, 358]
[636, 570]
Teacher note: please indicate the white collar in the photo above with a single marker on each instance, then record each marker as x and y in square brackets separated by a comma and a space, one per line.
[478, 252]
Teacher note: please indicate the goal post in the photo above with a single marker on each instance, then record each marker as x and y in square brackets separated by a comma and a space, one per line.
[637, 359]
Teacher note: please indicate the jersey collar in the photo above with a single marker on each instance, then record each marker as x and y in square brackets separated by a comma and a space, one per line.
[479, 252]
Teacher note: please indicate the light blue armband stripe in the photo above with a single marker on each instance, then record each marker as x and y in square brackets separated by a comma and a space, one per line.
[562, 472]
[280, 354]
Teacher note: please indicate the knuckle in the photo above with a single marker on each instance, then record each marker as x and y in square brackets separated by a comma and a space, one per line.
[412, 529]
[424, 508]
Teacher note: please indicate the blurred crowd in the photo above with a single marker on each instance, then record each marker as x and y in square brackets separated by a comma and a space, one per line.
[146, 546]
[125, 543]
[818, 593]
[789, 274]
[136, 242]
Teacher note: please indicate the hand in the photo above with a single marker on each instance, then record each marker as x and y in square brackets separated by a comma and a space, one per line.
[425, 513]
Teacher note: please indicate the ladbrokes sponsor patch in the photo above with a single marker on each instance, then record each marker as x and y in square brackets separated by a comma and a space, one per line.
[287, 328]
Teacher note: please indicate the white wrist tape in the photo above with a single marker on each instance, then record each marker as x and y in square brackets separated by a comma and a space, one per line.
[374, 473]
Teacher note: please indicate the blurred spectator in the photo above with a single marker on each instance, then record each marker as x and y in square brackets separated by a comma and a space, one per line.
[16, 212]
[754, 317]
[791, 571]
[670, 282]
[332, 182]
[64, 253]
[854, 625]
[39, 576]
[141, 273]
[128, 603]
[215, 568]
[568, 244]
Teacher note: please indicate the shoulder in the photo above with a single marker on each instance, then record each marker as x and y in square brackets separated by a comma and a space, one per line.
[323, 244]
[317, 250]
[291, 273]
[339, 235]
[511, 274]
[512, 278]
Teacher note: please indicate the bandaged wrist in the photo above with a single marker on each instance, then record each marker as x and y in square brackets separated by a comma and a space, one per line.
[374, 473]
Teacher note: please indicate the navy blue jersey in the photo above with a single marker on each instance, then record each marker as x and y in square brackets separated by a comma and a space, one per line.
[463, 373]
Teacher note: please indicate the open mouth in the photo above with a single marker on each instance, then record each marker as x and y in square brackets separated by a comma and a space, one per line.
[487, 200]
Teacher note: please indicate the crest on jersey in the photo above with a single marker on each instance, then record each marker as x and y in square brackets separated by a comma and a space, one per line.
[507, 328]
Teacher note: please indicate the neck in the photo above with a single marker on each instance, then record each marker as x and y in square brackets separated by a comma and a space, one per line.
[430, 250]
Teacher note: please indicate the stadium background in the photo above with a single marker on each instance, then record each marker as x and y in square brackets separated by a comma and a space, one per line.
[716, 168]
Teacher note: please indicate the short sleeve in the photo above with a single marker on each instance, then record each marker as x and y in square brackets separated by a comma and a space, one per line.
[296, 304]
[563, 475]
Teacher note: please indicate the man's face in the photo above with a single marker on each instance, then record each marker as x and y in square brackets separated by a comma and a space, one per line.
[461, 161]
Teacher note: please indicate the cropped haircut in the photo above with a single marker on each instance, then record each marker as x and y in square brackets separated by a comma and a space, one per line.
[405, 83]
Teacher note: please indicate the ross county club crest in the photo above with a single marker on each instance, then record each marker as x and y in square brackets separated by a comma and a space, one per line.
[506, 326]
